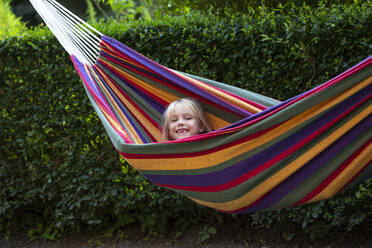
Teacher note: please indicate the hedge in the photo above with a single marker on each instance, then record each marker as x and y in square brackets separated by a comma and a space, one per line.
[60, 174]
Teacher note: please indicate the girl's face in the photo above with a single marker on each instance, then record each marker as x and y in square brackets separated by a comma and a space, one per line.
[182, 123]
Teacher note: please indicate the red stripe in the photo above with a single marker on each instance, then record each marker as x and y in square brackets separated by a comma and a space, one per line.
[195, 154]
[161, 101]
[137, 108]
[99, 101]
[333, 176]
[130, 100]
[265, 165]
[356, 175]
[111, 50]
[244, 139]
[178, 88]
[172, 86]
[340, 77]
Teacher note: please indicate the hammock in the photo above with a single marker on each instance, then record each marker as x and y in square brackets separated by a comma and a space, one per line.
[263, 154]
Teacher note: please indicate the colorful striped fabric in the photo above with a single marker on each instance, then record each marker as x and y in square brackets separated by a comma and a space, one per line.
[263, 154]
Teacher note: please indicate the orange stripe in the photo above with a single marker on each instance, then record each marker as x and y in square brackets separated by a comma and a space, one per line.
[221, 156]
[220, 94]
[156, 133]
[288, 170]
[346, 175]
[122, 117]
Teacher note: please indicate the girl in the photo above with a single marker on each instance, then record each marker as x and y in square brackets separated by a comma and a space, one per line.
[184, 118]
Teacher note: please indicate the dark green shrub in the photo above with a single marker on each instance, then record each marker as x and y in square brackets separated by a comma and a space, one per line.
[58, 171]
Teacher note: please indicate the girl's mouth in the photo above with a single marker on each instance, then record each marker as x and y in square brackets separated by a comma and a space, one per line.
[182, 131]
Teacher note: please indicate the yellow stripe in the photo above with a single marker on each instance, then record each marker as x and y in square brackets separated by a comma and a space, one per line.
[141, 118]
[284, 173]
[216, 122]
[143, 84]
[347, 174]
[122, 117]
[218, 157]
[113, 122]
[226, 97]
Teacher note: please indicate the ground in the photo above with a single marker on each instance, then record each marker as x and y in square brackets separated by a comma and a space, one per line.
[189, 239]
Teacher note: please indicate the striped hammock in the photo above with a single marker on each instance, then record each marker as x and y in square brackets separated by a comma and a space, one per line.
[263, 154]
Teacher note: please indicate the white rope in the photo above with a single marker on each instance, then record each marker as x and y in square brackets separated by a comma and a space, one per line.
[77, 37]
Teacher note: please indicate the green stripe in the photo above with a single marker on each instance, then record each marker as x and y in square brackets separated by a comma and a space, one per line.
[240, 190]
[113, 135]
[279, 117]
[366, 173]
[254, 97]
[146, 107]
[221, 113]
[236, 159]
[323, 173]
[110, 103]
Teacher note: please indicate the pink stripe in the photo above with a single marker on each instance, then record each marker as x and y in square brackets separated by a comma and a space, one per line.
[120, 54]
[179, 89]
[130, 100]
[195, 154]
[131, 82]
[342, 76]
[333, 81]
[261, 107]
[267, 164]
[100, 102]
[136, 106]
[161, 101]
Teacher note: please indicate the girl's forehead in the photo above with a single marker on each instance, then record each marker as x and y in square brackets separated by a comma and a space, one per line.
[180, 109]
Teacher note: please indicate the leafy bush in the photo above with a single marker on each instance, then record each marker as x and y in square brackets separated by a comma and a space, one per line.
[221, 7]
[58, 171]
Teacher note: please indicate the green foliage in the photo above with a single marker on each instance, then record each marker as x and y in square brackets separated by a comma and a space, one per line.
[91, 11]
[60, 174]
[207, 232]
[219, 7]
[10, 25]
[128, 10]
[273, 53]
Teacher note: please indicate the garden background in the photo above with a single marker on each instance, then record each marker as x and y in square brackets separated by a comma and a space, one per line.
[59, 174]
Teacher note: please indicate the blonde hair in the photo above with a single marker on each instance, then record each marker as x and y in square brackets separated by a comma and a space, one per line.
[190, 105]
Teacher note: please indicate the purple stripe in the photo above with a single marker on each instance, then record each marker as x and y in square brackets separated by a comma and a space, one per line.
[273, 108]
[123, 109]
[134, 67]
[257, 115]
[312, 166]
[176, 80]
[242, 167]
[156, 105]
[91, 84]
[79, 66]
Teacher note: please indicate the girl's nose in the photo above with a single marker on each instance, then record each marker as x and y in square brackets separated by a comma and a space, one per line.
[180, 122]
